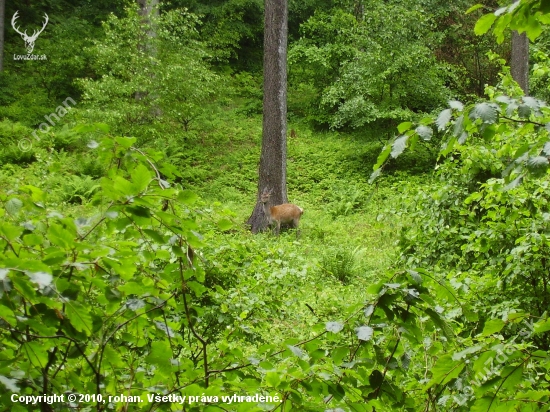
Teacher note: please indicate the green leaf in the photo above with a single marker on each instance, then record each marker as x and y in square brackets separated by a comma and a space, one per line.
[487, 112]
[10, 232]
[60, 236]
[443, 119]
[537, 164]
[492, 326]
[13, 206]
[187, 197]
[382, 157]
[512, 377]
[484, 24]
[524, 111]
[424, 132]
[403, 127]
[542, 326]
[376, 378]
[374, 175]
[455, 104]
[160, 354]
[156, 236]
[334, 327]
[7, 315]
[79, 316]
[533, 28]
[141, 177]
[444, 370]
[458, 128]
[399, 146]
[298, 352]
[462, 354]
[440, 322]
[365, 333]
[474, 8]
[273, 379]
[225, 224]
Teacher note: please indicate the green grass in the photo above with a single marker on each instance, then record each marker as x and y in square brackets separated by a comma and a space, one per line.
[344, 217]
[348, 231]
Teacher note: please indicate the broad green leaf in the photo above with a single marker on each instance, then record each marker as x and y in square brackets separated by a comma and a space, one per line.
[440, 322]
[187, 197]
[79, 316]
[10, 232]
[444, 371]
[537, 164]
[455, 104]
[458, 128]
[512, 376]
[403, 127]
[42, 279]
[60, 236]
[487, 112]
[298, 352]
[7, 315]
[462, 354]
[425, 132]
[382, 157]
[365, 333]
[141, 177]
[484, 24]
[156, 236]
[376, 378]
[443, 119]
[524, 111]
[542, 326]
[474, 8]
[160, 354]
[334, 326]
[273, 379]
[374, 175]
[533, 28]
[399, 146]
[492, 326]
[13, 206]
[225, 224]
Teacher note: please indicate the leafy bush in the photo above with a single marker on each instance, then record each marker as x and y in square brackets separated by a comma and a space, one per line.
[340, 263]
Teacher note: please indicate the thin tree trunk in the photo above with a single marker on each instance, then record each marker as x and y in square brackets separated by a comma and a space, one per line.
[272, 172]
[519, 63]
[148, 9]
[2, 24]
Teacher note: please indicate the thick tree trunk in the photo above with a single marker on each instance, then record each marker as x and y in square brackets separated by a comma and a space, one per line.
[272, 172]
[2, 24]
[519, 63]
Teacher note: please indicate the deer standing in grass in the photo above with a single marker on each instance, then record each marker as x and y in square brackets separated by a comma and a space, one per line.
[285, 213]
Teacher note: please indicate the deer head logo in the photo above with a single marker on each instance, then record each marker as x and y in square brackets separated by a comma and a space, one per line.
[29, 40]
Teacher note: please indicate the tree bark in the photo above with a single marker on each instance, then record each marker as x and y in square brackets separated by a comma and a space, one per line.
[2, 24]
[148, 9]
[519, 62]
[272, 170]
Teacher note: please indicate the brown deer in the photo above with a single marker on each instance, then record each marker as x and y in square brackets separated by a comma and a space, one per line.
[285, 213]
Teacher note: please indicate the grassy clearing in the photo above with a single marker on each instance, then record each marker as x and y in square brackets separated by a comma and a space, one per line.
[348, 231]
